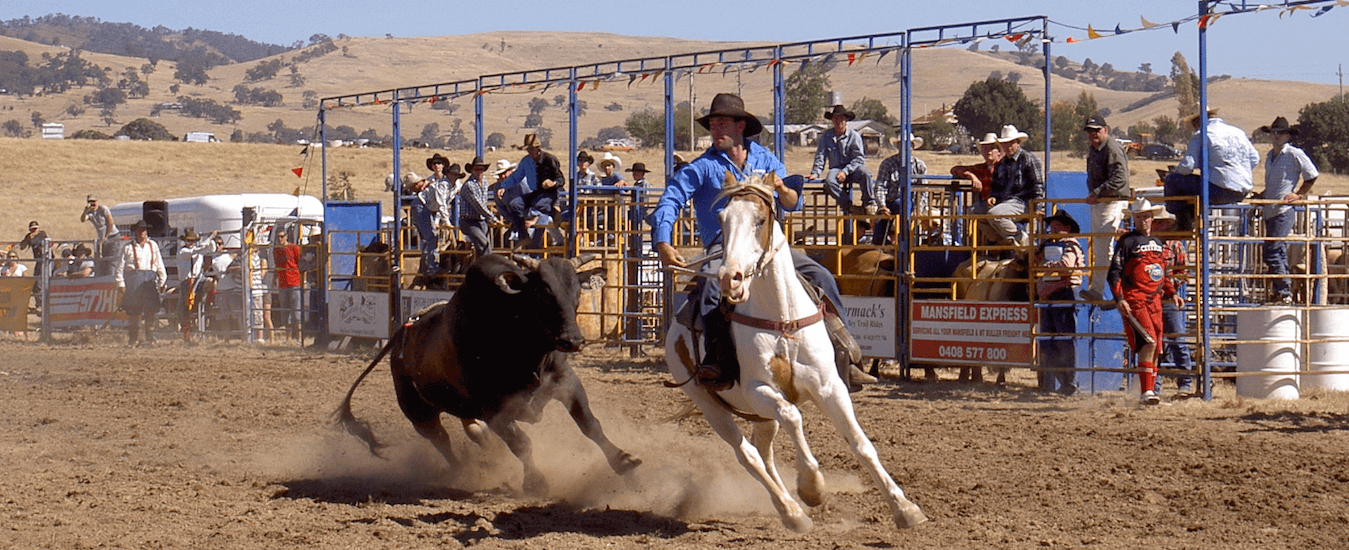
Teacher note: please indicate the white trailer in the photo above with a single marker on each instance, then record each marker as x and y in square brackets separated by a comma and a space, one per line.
[221, 213]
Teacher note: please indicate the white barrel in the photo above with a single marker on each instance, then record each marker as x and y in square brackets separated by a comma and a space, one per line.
[1278, 329]
[1328, 324]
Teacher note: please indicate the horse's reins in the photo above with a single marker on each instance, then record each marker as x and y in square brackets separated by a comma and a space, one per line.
[770, 250]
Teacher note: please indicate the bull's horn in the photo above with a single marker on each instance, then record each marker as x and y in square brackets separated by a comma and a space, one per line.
[526, 262]
[583, 259]
[504, 281]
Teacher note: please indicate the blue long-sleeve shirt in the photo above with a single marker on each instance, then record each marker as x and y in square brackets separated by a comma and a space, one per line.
[844, 152]
[1230, 155]
[700, 182]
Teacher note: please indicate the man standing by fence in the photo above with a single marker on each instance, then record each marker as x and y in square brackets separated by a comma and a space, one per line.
[1283, 166]
[1108, 195]
[140, 276]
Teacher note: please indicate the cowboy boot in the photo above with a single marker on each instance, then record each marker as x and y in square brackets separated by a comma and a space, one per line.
[846, 351]
[720, 368]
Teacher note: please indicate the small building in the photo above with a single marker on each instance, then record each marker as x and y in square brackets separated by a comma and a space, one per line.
[53, 130]
[808, 135]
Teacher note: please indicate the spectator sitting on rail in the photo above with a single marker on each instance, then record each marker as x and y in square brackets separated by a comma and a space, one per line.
[1231, 156]
[530, 193]
[1138, 280]
[1283, 166]
[81, 263]
[841, 151]
[1018, 179]
[981, 175]
[889, 186]
[1173, 318]
[105, 229]
[1063, 260]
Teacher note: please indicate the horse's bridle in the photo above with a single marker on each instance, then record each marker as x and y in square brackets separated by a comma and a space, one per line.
[763, 193]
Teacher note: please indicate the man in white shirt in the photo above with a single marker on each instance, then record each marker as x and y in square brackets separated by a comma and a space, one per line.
[140, 275]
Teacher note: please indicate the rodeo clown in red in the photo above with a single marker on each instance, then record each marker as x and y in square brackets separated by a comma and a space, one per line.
[1138, 279]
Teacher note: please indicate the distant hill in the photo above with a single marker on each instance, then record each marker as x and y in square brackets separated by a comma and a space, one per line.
[348, 65]
[160, 43]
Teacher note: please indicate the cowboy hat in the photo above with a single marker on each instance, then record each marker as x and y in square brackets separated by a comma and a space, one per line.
[82, 249]
[610, 158]
[437, 158]
[91, 198]
[32, 224]
[1095, 123]
[989, 139]
[730, 105]
[502, 166]
[454, 170]
[1164, 215]
[915, 140]
[531, 141]
[1065, 219]
[410, 178]
[476, 162]
[1143, 206]
[1010, 134]
[140, 225]
[190, 236]
[1280, 124]
[1193, 119]
[839, 110]
[638, 167]
[584, 157]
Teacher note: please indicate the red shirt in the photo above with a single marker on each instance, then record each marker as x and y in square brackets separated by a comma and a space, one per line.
[287, 260]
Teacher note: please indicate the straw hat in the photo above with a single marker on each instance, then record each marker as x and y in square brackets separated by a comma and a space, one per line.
[989, 139]
[915, 140]
[1010, 134]
[502, 165]
[1143, 206]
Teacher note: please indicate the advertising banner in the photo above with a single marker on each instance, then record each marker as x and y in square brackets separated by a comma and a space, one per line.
[959, 332]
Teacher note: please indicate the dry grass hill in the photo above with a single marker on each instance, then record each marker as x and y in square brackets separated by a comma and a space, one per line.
[48, 179]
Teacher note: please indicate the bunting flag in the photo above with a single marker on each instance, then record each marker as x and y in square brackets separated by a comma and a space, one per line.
[1092, 34]
[299, 172]
[1146, 24]
[1209, 19]
[296, 192]
[580, 86]
[1014, 37]
[1290, 10]
[1072, 40]
[1175, 27]
[1322, 11]
[1117, 29]
[594, 85]
[852, 58]
[304, 152]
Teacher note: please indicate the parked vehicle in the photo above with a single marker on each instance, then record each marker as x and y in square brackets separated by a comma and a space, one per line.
[1159, 151]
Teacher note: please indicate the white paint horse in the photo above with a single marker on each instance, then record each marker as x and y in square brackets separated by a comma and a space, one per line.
[785, 357]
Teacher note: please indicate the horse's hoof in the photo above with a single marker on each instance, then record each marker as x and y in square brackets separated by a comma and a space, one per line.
[624, 463]
[909, 516]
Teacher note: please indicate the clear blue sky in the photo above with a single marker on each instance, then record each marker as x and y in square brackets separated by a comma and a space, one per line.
[1257, 45]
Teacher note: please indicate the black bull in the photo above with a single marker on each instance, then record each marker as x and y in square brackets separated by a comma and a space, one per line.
[496, 353]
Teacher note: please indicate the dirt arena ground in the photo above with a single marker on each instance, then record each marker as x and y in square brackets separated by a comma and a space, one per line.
[223, 446]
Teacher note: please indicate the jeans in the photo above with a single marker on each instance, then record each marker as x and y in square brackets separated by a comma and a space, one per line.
[1059, 352]
[842, 193]
[1177, 185]
[1276, 252]
[1176, 351]
[1001, 228]
[476, 231]
[425, 221]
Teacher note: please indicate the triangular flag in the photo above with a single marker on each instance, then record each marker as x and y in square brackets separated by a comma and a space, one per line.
[581, 86]
[305, 151]
[1146, 24]
[432, 100]
[1092, 34]
[1209, 19]
[1322, 11]
[1072, 40]
[1013, 37]
[299, 172]
[595, 85]
[1342, 3]
[296, 192]
[1175, 27]
[852, 58]
[1117, 29]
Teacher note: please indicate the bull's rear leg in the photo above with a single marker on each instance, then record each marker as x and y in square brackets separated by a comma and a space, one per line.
[573, 396]
[424, 417]
[476, 430]
[534, 483]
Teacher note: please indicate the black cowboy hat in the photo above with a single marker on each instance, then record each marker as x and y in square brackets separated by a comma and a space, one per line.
[1063, 218]
[1280, 125]
[476, 162]
[454, 169]
[140, 225]
[584, 157]
[437, 158]
[1095, 123]
[839, 110]
[638, 167]
[732, 106]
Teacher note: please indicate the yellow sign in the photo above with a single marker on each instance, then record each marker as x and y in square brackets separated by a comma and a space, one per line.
[15, 293]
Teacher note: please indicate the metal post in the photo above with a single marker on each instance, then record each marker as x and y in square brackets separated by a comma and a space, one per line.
[902, 295]
[779, 101]
[396, 273]
[573, 247]
[1049, 111]
[1205, 318]
[323, 157]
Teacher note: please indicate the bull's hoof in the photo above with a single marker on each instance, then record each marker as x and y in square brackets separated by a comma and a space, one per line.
[909, 516]
[624, 463]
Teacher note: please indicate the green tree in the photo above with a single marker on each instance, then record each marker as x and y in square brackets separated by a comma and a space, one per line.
[1068, 119]
[1324, 129]
[495, 139]
[14, 128]
[145, 129]
[989, 104]
[1168, 131]
[537, 105]
[648, 126]
[872, 109]
[38, 119]
[1137, 130]
[807, 94]
[1186, 85]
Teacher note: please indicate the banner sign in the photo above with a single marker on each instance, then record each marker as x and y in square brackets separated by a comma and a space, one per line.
[87, 301]
[871, 321]
[416, 300]
[963, 333]
[15, 292]
[364, 314]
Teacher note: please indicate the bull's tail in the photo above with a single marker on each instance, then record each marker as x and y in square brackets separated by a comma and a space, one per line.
[347, 419]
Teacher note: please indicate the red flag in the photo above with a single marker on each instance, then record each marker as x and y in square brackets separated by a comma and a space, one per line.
[581, 86]
[299, 172]
[851, 58]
